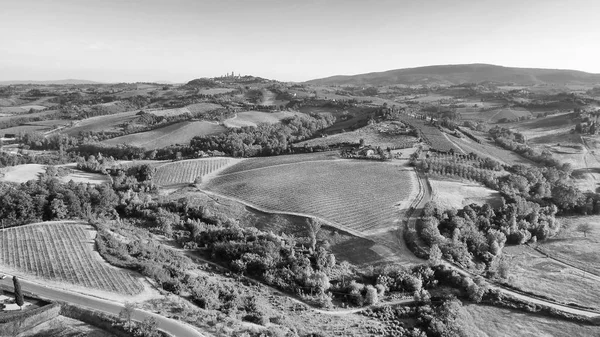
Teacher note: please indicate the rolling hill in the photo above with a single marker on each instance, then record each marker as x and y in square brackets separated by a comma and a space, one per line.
[464, 73]
[61, 82]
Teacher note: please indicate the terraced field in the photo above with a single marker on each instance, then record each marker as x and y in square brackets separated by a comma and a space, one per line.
[361, 196]
[62, 252]
[185, 172]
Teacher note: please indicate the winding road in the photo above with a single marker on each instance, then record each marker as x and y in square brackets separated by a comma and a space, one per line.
[168, 325]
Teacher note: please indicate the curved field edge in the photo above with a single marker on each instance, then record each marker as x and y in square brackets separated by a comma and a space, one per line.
[62, 252]
[389, 243]
[186, 171]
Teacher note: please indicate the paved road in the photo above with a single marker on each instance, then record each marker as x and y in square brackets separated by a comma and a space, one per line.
[171, 326]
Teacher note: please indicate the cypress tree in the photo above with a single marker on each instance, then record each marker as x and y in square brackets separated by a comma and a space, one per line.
[18, 293]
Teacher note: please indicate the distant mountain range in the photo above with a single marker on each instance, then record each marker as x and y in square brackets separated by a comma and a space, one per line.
[63, 82]
[464, 73]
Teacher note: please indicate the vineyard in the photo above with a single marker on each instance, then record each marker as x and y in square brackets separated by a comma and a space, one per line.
[430, 134]
[185, 172]
[262, 162]
[62, 252]
[361, 196]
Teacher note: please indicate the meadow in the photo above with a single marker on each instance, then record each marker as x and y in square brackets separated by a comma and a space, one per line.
[177, 133]
[186, 172]
[107, 123]
[359, 196]
[190, 109]
[451, 193]
[62, 252]
[535, 272]
[252, 118]
[375, 135]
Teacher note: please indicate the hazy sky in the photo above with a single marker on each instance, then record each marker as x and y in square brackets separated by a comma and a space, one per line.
[178, 40]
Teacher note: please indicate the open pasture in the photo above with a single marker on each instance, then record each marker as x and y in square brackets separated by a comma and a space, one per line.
[21, 109]
[457, 194]
[177, 133]
[107, 123]
[535, 272]
[252, 118]
[63, 252]
[490, 321]
[190, 109]
[186, 172]
[359, 196]
[382, 135]
[16, 130]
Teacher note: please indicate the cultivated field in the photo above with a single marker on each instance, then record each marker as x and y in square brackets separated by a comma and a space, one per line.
[361, 196]
[178, 133]
[382, 134]
[489, 321]
[21, 109]
[535, 272]
[108, 123]
[457, 194]
[62, 252]
[25, 172]
[487, 148]
[22, 129]
[262, 162]
[252, 118]
[190, 109]
[186, 172]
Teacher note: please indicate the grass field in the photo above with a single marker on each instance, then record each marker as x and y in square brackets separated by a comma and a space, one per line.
[25, 129]
[178, 133]
[489, 321]
[488, 149]
[62, 252]
[25, 172]
[381, 134]
[190, 109]
[361, 196]
[456, 194]
[573, 246]
[108, 123]
[252, 118]
[21, 109]
[534, 272]
[185, 172]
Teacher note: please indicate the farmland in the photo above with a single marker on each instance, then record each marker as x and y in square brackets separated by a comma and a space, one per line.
[26, 172]
[62, 252]
[431, 134]
[488, 149]
[457, 194]
[383, 135]
[108, 123]
[190, 109]
[327, 189]
[185, 172]
[252, 118]
[177, 133]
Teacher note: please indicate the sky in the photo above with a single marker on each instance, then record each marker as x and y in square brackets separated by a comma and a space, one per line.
[179, 40]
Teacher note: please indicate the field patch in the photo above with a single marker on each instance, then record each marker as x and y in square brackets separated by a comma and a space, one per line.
[187, 171]
[177, 133]
[21, 109]
[253, 118]
[359, 196]
[535, 272]
[190, 109]
[22, 129]
[457, 194]
[490, 321]
[63, 252]
[384, 134]
[107, 123]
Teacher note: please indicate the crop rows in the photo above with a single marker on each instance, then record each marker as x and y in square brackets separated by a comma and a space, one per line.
[359, 195]
[187, 171]
[431, 134]
[62, 252]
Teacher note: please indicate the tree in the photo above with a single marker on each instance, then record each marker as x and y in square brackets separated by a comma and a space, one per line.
[314, 226]
[18, 293]
[127, 312]
[371, 295]
[585, 228]
[435, 255]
